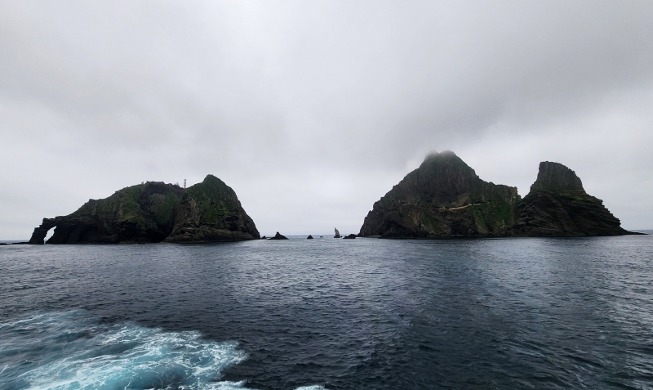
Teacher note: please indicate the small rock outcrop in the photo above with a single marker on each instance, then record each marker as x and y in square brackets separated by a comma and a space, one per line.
[443, 198]
[349, 237]
[154, 212]
[337, 233]
[310, 237]
[557, 205]
[279, 237]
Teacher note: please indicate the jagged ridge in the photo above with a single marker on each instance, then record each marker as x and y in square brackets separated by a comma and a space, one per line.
[445, 198]
[558, 205]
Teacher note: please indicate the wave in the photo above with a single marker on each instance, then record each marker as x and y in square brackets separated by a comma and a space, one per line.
[72, 350]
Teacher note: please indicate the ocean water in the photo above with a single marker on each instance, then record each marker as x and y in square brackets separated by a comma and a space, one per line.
[528, 313]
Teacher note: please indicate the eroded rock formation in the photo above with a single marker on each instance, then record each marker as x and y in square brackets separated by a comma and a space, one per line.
[557, 205]
[443, 198]
[154, 212]
[210, 211]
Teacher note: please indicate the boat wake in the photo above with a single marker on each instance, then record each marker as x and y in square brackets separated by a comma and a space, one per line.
[72, 350]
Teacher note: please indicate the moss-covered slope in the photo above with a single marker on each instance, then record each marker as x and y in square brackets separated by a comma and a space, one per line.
[442, 198]
[211, 211]
[150, 212]
[445, 198]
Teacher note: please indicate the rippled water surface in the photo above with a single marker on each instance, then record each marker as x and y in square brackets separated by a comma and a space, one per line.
[327, 313]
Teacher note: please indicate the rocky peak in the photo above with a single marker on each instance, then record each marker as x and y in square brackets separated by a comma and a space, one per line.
[442, 176]
[211, 211]
[559, 206]
[443, 197]
[446, 161]
[554, 176]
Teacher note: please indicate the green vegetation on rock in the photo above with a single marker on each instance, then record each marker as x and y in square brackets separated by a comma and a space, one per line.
[445, 198]
[211, 211]
[153, 212]
[558, 205]
[442, 198]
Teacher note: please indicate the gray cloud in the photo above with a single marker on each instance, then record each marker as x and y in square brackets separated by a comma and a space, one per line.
[311, 111]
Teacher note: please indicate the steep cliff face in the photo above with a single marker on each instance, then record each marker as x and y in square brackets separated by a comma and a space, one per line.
[557, 205]
[210, 211]
[442, 198]
[554, 176]
[445, 198]
[150, 212]
[140, 213]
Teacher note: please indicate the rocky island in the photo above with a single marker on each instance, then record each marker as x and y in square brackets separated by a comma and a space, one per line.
[557, 205]
[154, 212]
[445, 198]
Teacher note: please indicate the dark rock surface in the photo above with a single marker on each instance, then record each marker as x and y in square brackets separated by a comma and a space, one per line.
[349, 237]
[310, 237]
[210, 211]
[443, 198]
[153, 212]
[554, 176]
[279, 237]
[140, 213]
[558, 205]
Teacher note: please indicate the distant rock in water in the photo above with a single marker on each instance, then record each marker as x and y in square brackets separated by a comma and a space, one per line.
[154, 212]
[558, 205]
[310, 237]
[349, 237]
[337, 233]
[279, 237]
[443, 198]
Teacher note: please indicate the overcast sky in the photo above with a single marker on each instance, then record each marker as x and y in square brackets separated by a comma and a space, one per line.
[313, 110]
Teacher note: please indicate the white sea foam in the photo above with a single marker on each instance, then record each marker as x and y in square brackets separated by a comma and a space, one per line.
[70, 350]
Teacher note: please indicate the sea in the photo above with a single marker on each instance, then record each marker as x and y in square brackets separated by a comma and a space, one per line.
[511, 313]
